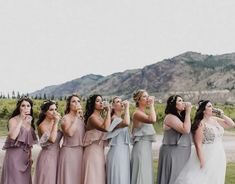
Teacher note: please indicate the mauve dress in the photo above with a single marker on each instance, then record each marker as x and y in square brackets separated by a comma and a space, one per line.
[118, 157]
[93, 157]
[16, 166]
[71, 155]
[47, 162]
[142, 157]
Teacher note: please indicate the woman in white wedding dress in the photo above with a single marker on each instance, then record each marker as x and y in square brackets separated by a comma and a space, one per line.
[207, 163]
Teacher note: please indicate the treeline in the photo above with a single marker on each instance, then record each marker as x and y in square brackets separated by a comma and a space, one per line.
[7, 106]
[17, 95]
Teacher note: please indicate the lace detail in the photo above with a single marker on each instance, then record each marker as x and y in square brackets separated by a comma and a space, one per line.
[44, 138]
[212, 133]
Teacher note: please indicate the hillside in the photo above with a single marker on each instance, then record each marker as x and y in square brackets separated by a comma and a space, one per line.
[189, 71]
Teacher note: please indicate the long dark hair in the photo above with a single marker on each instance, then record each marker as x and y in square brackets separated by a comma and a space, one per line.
[171, 107]
[44, 108]
[68, 101]
[90, 106]
[199, 115]
[17, 109]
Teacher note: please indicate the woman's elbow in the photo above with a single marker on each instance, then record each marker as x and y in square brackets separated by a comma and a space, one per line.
[152, 121]
[186, 131]
[52, 140]
[126, 123]
[13, 137]
[69, 133]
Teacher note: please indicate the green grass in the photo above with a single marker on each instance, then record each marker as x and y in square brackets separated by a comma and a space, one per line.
[230, 173]
[3, 127]
[229, 178]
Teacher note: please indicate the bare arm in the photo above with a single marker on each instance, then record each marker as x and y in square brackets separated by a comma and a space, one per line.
[198, 137]
[100, 124]
[172, 121]
[225, 121]
[14, 128]
[69, 127]
[142, 117]
[52, 134]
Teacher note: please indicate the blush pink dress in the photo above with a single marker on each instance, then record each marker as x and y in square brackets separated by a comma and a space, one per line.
[93, 158]
[71, 155]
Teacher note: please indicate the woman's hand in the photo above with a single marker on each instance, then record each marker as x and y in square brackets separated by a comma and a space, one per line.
[151, 100]
[202, 163]
[57, 117]
[188, 106]
[126, 104]
[107, 106]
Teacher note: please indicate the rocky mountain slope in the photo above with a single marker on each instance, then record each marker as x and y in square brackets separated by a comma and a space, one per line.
[189, 71]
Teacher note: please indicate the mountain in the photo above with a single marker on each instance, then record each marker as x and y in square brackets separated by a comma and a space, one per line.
[189, 71]
[69, 87]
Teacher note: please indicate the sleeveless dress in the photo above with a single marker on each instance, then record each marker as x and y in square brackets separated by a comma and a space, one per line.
[47, 162]
[93, 158]
[142, 158]
[71, 155]
[118, 156]
[173, 155]
[16, 166]
[215, 160]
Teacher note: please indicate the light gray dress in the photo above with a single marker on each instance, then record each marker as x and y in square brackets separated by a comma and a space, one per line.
[142, 158]
[174, 153]
[118, 157]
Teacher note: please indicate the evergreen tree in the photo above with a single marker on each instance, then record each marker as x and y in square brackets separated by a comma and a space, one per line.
[18, 95]
[44, 96]
[13, 96]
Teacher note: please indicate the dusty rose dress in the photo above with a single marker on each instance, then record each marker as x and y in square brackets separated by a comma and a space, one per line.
[93, 158]
[71, 154]
[16, 166]
[47, 162]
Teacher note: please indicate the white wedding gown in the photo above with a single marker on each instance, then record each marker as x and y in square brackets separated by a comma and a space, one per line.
[215, 160]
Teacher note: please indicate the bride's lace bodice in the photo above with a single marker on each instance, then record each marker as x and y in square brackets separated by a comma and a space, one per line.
[212, 133]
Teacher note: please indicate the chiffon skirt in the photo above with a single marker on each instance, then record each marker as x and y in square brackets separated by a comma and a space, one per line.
[94, 164]
[70, 165]
[118, 164]
[213, 171]
[142, 163]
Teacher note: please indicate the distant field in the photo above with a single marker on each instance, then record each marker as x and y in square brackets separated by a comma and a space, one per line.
[7, 106]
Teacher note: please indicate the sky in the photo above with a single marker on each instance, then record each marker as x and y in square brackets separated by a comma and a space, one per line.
[49, 42]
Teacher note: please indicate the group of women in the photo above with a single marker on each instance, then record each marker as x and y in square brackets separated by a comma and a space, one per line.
[74, 150]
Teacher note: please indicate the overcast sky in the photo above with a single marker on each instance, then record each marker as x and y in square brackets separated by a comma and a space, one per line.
[47, 42]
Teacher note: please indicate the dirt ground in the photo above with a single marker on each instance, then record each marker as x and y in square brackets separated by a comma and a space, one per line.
[228, 140]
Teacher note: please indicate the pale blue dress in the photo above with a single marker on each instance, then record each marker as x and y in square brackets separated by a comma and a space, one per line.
[118, 157]
[142, 158]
